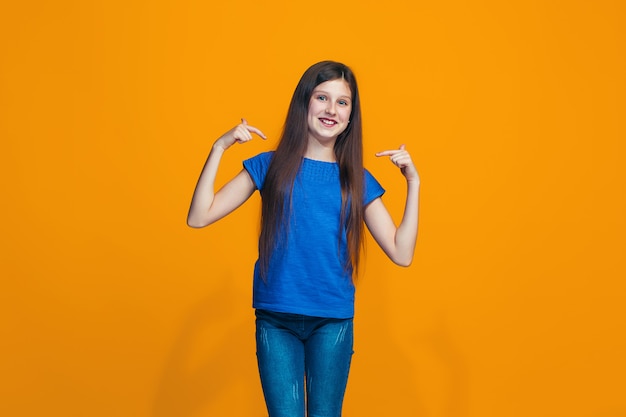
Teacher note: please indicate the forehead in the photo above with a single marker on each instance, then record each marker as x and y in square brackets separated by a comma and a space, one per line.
[338, 87]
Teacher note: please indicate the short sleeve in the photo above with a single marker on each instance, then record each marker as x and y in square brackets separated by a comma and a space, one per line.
[257, 167]
[373, 189]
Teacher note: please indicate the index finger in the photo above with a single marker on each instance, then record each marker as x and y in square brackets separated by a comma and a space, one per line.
[252, 129]
[255, 130]
[392, 151]
[388, 152]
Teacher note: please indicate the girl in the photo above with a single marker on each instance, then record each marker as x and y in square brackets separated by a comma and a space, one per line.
[316, 197]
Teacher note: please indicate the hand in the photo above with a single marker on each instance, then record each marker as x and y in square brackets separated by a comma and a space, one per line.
[402, 159]
[238, 134]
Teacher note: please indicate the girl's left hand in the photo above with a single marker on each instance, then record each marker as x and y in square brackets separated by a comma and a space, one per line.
[402, 159]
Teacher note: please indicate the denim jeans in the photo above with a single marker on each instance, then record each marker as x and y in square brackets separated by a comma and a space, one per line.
[298, 354]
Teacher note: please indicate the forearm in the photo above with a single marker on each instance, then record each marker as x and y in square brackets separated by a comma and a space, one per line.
[204, 193]
[406, 233]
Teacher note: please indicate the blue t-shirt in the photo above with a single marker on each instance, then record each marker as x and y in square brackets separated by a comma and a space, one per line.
[307, 275]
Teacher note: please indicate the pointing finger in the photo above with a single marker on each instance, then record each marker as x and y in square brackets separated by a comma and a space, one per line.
[388, 152]
[391, 152]
[252, 129]
[257, 131]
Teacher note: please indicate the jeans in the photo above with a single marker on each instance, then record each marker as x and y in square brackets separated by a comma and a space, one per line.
[298, 354]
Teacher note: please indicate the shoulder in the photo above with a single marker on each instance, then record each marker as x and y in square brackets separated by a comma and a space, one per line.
[257, 167]
[368, 175]
[373, 189]
[263, 157]
[369, 178]
[260, 161]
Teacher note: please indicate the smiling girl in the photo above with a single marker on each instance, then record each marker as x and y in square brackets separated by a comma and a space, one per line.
[316, 199]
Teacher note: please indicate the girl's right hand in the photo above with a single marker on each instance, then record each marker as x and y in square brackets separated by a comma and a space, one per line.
[239, 134]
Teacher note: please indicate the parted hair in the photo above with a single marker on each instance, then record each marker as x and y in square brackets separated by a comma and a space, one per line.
[283, 169]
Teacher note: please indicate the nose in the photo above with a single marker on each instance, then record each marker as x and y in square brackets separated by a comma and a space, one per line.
[330, 108]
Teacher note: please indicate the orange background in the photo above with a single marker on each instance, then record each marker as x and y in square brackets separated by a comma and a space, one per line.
[514, 114]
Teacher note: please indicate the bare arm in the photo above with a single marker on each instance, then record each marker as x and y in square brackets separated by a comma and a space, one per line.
[397, 242]
[207, 206]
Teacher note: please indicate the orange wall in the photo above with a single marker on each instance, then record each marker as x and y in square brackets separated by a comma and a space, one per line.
[513, 111]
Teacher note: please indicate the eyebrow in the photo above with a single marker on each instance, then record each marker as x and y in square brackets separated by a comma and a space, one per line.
[326, 92]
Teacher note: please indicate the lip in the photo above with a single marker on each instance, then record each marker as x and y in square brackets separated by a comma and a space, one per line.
[325, 120]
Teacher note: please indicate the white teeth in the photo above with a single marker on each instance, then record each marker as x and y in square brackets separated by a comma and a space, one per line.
[328, 122]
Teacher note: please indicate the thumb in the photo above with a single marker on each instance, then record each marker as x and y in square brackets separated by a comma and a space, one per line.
[244, 121]
[402, 147]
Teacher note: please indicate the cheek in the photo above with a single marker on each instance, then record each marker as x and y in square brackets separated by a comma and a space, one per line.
[311, 111]
[315, 105]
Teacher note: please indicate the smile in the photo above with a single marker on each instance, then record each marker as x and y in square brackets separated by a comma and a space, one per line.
[327, 122]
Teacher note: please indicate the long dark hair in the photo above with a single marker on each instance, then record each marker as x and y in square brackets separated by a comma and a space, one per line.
[288, 157]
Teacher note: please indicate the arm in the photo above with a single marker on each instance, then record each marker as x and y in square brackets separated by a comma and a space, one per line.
[207, 206]
[397, 242]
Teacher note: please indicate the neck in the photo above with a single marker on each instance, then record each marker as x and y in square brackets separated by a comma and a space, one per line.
[321, 151]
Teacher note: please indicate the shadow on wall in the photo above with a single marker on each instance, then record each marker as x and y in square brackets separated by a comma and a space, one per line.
[440, 357]
[382, 382]
[383, 378]
[209, 357]
[414, 367]
[457, 403]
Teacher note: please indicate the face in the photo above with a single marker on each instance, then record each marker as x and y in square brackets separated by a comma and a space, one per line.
[329, 110]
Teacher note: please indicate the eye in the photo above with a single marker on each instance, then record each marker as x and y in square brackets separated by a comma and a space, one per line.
[343, 102]
[322, 97]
